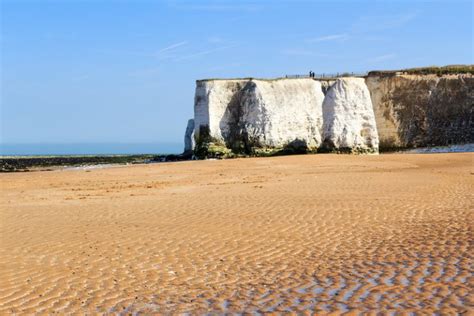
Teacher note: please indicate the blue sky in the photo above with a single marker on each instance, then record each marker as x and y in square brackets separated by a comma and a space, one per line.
[125, 71]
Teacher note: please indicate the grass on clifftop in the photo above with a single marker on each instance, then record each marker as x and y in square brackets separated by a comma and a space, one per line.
[445, 70]
[431, 70]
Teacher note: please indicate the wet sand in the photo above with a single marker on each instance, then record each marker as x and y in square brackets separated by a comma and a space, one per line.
[314, 233]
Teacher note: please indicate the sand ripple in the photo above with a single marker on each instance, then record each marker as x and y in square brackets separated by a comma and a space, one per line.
[323, 233]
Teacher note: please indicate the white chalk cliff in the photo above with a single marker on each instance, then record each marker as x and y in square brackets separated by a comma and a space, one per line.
[276, 113]
[349, 120]
[253, 116]
[215, 107]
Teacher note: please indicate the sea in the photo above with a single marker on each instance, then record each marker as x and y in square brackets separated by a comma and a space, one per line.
[70, 149]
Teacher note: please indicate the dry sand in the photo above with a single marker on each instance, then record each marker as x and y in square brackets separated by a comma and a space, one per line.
[324, 233]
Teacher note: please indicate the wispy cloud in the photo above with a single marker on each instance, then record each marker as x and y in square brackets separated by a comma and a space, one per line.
[326, 38]
[163, 53]
[365, 25]
[382, 58]
[205, 52]
[171, 47]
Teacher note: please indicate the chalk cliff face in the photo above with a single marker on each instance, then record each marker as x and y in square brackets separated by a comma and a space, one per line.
[384, 109]
[423, 110]
[279, 113]
[349, 122]
[216, 107]
[259, 115]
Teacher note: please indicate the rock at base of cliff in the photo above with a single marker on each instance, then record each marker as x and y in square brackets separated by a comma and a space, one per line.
[349, 121]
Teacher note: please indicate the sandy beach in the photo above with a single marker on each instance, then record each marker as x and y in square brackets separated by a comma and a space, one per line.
[313, 233]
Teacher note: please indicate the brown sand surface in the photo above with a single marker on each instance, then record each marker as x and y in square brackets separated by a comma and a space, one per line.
[314, 233]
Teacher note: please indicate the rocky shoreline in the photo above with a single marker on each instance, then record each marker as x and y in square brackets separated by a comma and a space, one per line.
[43, 163]
[49, 163]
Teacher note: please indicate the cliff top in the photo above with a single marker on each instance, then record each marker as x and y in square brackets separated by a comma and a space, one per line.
[431, 70]
[292, 77]
[252, 78]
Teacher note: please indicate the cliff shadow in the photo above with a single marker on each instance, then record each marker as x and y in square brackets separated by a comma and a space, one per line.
[230, 123]
[295, 147]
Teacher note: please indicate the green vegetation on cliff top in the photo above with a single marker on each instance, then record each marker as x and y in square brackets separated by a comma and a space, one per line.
[431, 70]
